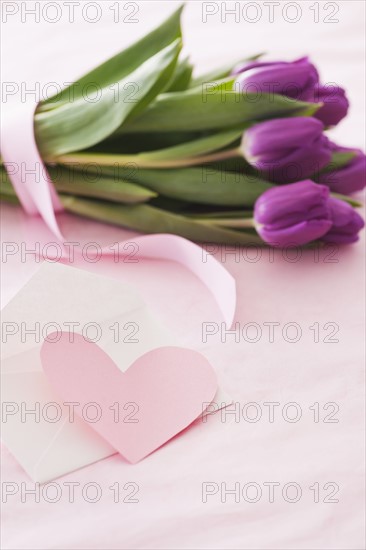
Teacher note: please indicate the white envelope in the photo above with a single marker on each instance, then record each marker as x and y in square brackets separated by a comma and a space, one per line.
[62, 294]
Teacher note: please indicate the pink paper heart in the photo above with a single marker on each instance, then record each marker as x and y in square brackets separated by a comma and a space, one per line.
[163, 391]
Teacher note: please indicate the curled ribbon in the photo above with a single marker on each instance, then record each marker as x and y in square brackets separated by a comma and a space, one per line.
[21, 158]
[38, 196]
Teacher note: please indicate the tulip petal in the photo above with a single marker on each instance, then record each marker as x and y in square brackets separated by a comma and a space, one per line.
[296, 235]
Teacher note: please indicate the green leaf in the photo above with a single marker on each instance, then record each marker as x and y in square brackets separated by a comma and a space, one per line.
[81, 124]
[221, 106]
[181, 77]
[147, 219]
[339, 160]
[203, 185]
[121, 65]
[5, 185]
[199, 185]
[194, 148]
[86, 184]
[222, 72]
[349, 200]
[77, 183]
[149, 159]
[10, 199]
[135, 143]
[165, 72]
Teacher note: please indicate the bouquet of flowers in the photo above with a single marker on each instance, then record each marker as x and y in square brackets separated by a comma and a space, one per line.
[236, 156]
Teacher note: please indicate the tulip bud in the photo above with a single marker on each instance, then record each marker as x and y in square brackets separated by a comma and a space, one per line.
[287, 149]
[293, 215]
[298, 80]
[351, 177]
[346, 223]
[295, 79]
[335, 104]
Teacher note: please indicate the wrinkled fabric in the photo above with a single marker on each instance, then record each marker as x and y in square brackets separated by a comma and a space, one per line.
[317, 286]
[305, 287]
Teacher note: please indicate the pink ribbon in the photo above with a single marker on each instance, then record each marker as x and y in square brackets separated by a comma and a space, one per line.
[37, 195]
[25, 167]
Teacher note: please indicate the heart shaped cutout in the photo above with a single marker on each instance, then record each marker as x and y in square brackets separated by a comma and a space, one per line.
[139, 410]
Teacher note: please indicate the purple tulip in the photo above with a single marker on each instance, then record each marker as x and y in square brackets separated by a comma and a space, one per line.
[295, 79]
[346, 223]
[287, 149]
[293, 215]
[351, 177]
[335, 102]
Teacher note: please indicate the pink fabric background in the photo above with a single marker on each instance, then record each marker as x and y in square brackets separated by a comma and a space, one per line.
[170, 512]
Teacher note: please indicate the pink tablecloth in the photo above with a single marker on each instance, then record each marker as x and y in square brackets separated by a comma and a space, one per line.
[310, 369]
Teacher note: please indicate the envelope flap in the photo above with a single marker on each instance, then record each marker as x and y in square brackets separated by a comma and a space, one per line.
[42, 432]
[59, 296]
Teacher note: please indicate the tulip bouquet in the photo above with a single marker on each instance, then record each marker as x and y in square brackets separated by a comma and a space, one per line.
[236, 156]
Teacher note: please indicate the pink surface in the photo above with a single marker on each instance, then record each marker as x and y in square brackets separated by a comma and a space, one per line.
[163, 391]
[37, 195]
[313, 369]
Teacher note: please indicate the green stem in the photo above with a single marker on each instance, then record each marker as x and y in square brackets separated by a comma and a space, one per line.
[149, 219]
[141, 161]
[228, 222]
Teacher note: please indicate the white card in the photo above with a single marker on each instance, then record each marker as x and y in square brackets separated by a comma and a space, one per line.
[63, 298]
